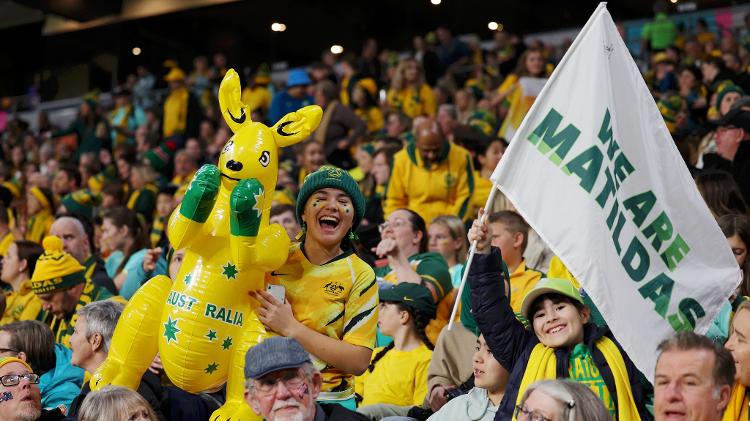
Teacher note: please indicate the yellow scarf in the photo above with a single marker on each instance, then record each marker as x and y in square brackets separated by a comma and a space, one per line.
[738, 405]
[542, 365]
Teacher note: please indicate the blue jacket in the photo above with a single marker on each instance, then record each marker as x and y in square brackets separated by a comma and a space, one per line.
[136, 276]
[511, 343]
[62, 384]
[284, 103]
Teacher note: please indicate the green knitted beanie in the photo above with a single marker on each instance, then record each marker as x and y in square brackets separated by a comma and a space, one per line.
[331, 177]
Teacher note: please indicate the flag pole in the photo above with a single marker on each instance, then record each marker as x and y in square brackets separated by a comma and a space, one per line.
[472, 251]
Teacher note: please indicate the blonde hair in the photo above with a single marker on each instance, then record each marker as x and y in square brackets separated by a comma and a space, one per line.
[399, 82]
[745, 305]
[112, 403]
[146, 172]
[457, 230]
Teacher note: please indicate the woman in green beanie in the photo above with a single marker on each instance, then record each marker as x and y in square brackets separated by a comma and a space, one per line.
[331, 298]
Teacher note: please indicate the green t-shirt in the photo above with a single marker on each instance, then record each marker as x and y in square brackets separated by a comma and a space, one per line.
[660, 33]
[431, 267]
[583, 370]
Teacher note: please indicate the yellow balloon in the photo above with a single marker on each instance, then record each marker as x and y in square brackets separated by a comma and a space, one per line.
[202, 322]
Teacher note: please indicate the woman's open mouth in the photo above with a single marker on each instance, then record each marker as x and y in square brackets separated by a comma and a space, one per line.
[329, 223]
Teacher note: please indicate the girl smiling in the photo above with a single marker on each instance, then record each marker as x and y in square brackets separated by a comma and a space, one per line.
[331, 298]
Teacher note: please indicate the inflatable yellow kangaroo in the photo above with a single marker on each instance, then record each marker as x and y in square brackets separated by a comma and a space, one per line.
[202, 322]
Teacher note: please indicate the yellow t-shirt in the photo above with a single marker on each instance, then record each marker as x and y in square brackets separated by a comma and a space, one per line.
[413, 102]
[39, 225]
[558, 270]
[399, 378]
[522, 280]
[175, 112]
[338, 299]
[373, 117]
[482, 189]
[258, 97]
[184, 180]
[21, 305]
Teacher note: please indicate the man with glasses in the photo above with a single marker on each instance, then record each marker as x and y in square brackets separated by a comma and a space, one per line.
[281, 383]
[20, 399]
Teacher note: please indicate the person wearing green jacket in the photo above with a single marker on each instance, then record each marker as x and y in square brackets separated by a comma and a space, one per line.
[91, 130]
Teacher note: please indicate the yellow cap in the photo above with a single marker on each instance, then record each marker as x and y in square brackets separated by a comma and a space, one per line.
[174, 75]
[368, 85]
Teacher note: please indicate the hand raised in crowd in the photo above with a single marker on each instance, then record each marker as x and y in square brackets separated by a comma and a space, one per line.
[387, 247]
[150, 259]
[275, 315]
[480, 233]
[156, 366]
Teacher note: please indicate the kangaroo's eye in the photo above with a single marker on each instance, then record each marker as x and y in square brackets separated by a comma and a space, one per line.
[265, 158]
[228, 146]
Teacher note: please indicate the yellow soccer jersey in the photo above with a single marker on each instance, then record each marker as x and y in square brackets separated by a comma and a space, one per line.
[21, 305]
[338, 299]
[399, 378]
[522, 280]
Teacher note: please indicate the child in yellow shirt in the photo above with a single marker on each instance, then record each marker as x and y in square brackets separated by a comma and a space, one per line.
[397, 374]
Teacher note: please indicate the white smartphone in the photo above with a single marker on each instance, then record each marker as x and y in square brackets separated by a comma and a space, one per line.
[278, 292]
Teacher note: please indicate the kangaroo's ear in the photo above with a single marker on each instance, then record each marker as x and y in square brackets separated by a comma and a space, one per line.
[297, 126]
[235, 113]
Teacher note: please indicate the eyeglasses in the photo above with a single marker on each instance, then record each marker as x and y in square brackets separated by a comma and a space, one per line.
[292, 380]
[4, 350]
[529, 415]
[397, 223]
[14, 379]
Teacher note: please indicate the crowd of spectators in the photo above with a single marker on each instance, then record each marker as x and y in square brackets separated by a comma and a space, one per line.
[407, 143]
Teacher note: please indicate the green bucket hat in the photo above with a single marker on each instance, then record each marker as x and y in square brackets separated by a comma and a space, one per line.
[415, 296]
[549, 286]
[329, 176]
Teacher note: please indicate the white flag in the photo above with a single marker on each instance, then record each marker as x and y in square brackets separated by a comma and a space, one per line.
[595, 172]
[521, 99]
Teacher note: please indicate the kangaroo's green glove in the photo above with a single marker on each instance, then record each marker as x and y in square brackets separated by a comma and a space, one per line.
[201, 194]
[245, 206]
